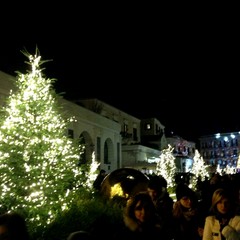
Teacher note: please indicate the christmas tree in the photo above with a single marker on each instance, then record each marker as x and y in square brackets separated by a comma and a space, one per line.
[166, 166]
[199, 170]
[39, 172]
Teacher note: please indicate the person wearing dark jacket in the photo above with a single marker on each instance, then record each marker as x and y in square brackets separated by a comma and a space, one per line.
[140, 220]
[157, 189]
[186, 215]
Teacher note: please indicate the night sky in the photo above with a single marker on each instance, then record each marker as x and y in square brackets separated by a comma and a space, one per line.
[182, 71]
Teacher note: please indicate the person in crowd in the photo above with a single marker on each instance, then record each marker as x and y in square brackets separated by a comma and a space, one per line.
[222, 222]
[13, 227]
[98, 181]
[141, 220]
[185, 214]
[157, 189]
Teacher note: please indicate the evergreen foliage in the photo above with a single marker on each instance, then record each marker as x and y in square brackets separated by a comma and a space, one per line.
[90, 213]
[166, 166]
[38, 161]
[199, 170]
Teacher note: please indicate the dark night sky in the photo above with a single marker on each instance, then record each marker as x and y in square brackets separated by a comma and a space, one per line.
[182, 70]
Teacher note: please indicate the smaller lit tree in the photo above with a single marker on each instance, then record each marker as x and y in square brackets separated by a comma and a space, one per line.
[166, 166]
[91, 174]
[230, 170]
[199, 169]
[219, 170]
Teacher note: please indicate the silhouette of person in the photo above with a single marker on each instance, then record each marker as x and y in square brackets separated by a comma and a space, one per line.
[13, 227]
[98, 181]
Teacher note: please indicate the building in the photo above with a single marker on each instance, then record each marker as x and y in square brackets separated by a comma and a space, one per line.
[117, 138]
[137, 151]
[183, 151]
[98, 133]
[113, 135]
[220, 150]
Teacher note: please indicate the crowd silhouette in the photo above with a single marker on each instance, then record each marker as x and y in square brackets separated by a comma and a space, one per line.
[211, 212]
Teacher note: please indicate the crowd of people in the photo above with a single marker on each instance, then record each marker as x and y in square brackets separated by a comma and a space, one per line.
[210, 213]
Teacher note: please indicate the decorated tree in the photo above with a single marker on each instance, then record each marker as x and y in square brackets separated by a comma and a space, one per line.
[91, 173]
[199, 170]
[230, 170]
[166, 166]
[39, 172]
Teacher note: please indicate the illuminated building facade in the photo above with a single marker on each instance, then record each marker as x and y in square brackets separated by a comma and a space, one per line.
[220, 150]
[117, 138]
[183, 151]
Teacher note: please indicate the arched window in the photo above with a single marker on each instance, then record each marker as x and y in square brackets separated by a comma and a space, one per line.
[106, 160]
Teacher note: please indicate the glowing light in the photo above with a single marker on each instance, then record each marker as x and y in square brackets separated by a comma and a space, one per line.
[199, 170]
[226, 139]
[232, 136]
[116, 189]
[92, 173]
[166, 166]
[38, 162]
[218, 135]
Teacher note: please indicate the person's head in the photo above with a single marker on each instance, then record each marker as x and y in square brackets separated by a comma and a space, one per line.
[140, 207]
[215, 179]
[156, 186]
[13, 227]
[222, 202]
[185, 195]
[102, 172]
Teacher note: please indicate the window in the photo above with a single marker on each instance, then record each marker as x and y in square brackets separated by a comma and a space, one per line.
[98, 154]
[82, 158]
[106, 153]
[70, 133]
[125, 127]
[148, 126]
[118, 155]
[135, 134]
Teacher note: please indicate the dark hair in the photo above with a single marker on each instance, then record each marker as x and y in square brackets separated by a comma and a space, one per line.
[182, 190]
[102, 171]
[145, 200]
[15, 225]
[157, 183]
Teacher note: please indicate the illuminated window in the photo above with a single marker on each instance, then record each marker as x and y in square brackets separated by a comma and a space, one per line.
[125, 127]
[148, 126]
